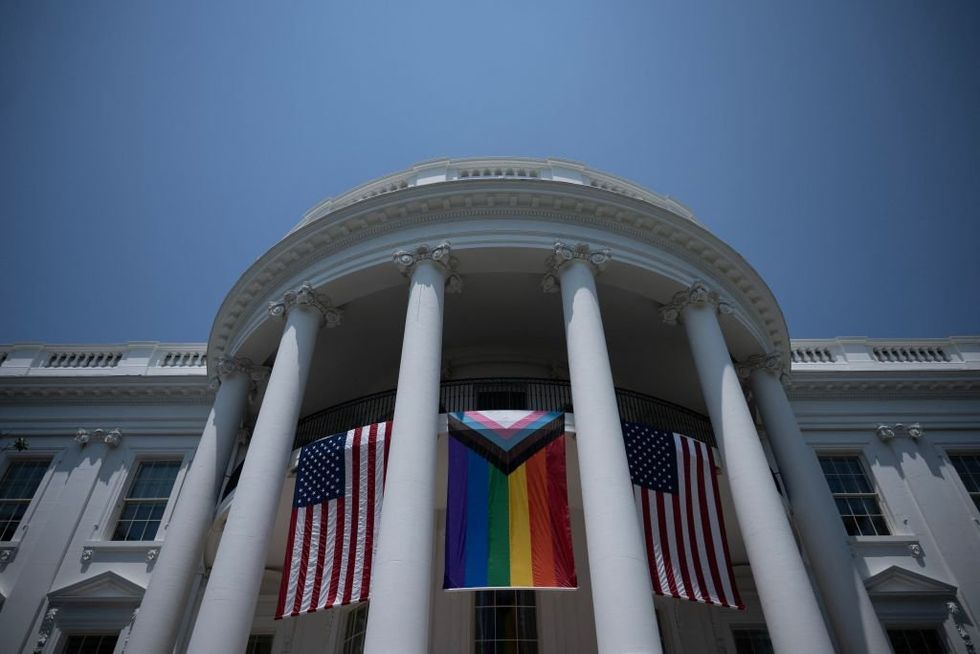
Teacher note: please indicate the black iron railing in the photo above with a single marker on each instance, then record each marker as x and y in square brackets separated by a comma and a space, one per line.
[497, 393]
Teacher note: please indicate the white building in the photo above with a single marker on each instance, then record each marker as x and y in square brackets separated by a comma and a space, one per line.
[146, 481]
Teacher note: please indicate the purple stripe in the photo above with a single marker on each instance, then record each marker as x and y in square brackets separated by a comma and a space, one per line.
[455, 574]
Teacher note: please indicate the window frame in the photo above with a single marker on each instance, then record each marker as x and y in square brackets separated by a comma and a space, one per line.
[349, 634]
[944, 642]
[872, 482]
[124, 483]
[474, 607]
[65, 637]
[53, 457]
[955, 452]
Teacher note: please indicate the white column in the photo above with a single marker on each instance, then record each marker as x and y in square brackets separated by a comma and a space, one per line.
[851, 613]
[165, 600]
[225, 616]
[622, 596]
[402, 575]
[788, 602]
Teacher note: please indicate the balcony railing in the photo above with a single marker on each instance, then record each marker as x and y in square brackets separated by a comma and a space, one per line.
[496, 393]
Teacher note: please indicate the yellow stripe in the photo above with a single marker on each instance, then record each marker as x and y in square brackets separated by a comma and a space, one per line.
[521, 570]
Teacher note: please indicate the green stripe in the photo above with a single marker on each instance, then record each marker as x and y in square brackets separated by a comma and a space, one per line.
[498, 531]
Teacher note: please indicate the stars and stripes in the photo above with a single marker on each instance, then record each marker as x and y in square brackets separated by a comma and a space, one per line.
[336, 511]
[677, 497]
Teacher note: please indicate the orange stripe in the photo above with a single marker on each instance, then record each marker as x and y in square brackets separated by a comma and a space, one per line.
[542, 549]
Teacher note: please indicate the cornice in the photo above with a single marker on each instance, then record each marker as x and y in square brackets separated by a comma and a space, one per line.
[106, 389]
[899, 385]
[462, 201]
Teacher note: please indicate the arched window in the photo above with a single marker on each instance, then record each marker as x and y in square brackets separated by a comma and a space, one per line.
[505, 621]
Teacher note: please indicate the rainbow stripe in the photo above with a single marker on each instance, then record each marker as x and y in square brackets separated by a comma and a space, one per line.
[508, 530]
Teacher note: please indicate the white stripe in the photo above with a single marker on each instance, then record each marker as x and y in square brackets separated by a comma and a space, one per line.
[714, 521]
[693, 592]
[310, 571]
[325, 588]
[295, 561]
[658, 547]
[675, 568]
[699, 527]
[348, 491]
[362, 504]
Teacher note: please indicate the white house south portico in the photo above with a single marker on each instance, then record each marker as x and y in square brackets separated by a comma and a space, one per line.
[541, 284]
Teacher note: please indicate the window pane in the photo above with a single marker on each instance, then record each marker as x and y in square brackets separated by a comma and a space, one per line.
[916, 641]
[752, 641]
[855, 497]
[146, 501]
[505, 621]
[17, 487]
[91, 644]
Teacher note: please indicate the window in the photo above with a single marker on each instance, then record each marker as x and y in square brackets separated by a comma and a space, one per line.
[91, 644]
[752, 641]
[356, 626]
[506, 621]
[259, 644]
[146, 501]
[916, 641]
[857, 501]
[17, 487]
[968, 467]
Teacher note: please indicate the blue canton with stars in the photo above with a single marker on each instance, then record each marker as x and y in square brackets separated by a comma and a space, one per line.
[321, 473]
[652, 457]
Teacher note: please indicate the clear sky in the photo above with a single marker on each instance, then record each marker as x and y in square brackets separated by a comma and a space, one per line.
[149, 152]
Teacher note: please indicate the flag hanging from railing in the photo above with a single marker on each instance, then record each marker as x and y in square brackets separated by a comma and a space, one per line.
[507, 522]
[677, 498]
[334, 522]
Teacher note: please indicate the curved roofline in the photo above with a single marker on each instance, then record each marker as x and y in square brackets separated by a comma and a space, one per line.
[435, 171]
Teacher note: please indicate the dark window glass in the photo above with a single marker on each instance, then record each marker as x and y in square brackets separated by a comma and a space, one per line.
[505, 621]
[17, 487]
[259, 644]
[146, 501]
[968, 467]
[916, 641]
[752, 641]
[356, 626]
[91, 644]
[856, 499]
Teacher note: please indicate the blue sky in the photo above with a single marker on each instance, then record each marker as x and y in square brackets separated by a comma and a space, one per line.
[150, 152]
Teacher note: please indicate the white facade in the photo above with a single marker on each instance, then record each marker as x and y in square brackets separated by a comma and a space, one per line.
[651, 313]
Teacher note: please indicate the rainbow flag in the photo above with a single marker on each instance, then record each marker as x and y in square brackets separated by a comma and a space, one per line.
[507, 520]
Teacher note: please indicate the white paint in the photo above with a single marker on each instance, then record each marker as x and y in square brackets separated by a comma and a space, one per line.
[155, 629]
[849, 608]
[622, 598]
[792, 614]
[400, 596]
[225, 617]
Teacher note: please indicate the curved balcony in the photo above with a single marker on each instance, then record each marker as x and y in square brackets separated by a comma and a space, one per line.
[515, 393]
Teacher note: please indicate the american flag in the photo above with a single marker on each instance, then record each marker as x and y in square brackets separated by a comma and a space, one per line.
[336, 511]
[677, 497]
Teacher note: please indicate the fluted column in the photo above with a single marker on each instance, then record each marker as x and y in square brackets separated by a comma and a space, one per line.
[622, 597]
[851, 613]
[401, 583]
[788, 602]
[225, 616]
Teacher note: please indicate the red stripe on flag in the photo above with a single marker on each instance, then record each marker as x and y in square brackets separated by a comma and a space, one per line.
[351, 544]
[648, 534]
[665, 548]
[304, 560]
[700, 591]
[372, 456]
[709, 540]
[286, 566]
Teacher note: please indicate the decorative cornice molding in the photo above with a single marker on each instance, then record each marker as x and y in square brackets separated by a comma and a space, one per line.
[111, 437]
[773, 363]
[698, 295]
[44, 631]
[441, 255]
[886, 433]
[306, 296]
[479, 200]
[563, 254]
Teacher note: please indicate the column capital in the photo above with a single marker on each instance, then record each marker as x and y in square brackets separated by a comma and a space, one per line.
[564, 254]
[698, 295]
[771, 362]
[228, 365]
[306, 296]
[441, 255]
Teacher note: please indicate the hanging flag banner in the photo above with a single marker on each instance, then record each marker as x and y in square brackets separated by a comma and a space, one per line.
[334, 524]
[507, 523]
[677, 498]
